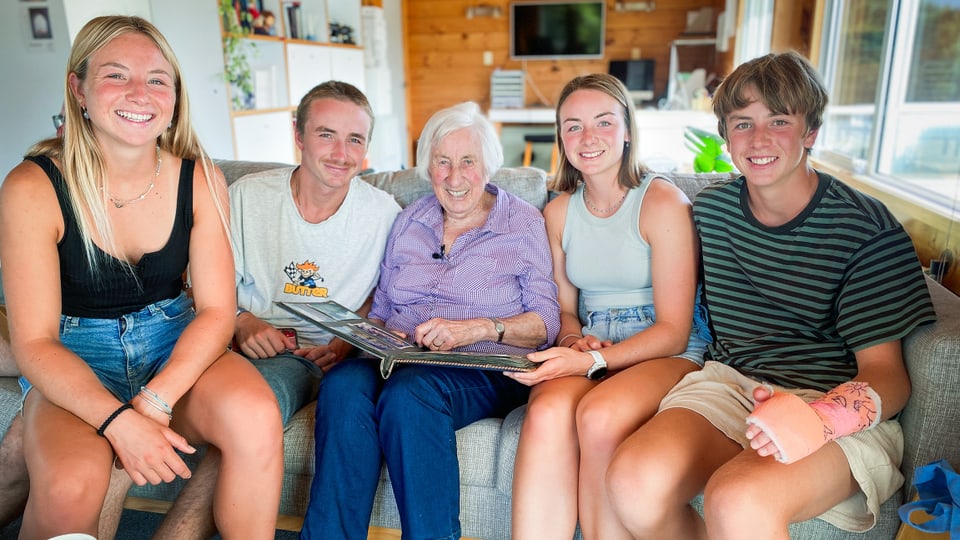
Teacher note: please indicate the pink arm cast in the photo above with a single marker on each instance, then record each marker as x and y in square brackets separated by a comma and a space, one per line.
[798, 428]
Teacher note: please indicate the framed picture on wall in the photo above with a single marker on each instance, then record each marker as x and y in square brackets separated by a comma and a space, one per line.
[40, 22]
[36, 25]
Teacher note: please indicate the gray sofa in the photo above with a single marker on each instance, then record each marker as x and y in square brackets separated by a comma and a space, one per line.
[931, 419]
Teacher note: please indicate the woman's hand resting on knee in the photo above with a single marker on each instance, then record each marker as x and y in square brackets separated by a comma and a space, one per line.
[146, 447]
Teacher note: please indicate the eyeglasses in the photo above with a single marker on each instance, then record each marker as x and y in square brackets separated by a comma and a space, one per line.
[57, 121]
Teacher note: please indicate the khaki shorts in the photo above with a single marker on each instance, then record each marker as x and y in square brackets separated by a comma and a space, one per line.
[724, 397]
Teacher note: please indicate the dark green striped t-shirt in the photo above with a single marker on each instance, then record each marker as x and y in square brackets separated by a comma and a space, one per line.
[791, 304]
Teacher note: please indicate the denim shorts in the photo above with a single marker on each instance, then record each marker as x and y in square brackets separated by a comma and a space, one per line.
[294, 381]
[617, 324]
[127, 352]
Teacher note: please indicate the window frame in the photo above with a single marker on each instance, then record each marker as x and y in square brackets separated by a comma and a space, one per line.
[888, 108]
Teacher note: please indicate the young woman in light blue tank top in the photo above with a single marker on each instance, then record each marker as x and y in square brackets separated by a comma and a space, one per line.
[625, 256]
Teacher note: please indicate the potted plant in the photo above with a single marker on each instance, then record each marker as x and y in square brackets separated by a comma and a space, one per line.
[236, 64]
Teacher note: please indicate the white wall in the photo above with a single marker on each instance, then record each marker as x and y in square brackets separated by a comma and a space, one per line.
[193, 30]
[32, 91]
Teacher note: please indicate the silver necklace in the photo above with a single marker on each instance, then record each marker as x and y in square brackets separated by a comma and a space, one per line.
[603, 210]
[120, 203]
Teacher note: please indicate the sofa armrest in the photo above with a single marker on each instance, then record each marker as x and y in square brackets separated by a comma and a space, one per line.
[931, 418]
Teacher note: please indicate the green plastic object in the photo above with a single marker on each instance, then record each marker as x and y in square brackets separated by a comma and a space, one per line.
[708, 148]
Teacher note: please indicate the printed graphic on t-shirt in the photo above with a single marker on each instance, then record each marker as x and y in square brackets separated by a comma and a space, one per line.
[305, 280]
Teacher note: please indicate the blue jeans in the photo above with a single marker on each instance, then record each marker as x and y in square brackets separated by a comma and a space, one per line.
[409, 421]
[617, 324]
[293, 379]
[125, 353]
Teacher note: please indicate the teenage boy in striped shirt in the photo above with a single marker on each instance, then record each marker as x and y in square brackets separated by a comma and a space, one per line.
[811, 286]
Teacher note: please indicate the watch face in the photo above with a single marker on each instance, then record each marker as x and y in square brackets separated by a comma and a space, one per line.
[597, 374]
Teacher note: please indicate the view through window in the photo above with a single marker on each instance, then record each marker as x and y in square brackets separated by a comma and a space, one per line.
[893, 72]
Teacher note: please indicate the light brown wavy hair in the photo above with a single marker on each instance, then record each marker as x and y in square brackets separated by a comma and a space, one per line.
[786, 83]
[631, 168]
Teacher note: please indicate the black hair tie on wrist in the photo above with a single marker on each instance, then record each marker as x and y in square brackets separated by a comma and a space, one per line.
[112, 417]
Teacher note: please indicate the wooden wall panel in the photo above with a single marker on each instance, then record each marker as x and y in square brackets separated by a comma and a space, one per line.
[445, 52]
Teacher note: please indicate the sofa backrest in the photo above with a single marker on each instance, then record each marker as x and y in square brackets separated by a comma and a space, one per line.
[691, 183]
[528, 183]
[406, 186]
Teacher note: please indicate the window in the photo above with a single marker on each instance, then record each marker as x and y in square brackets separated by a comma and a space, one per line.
[893, 72]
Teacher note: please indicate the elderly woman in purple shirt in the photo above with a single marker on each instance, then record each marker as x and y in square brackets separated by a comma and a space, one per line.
[467, 268]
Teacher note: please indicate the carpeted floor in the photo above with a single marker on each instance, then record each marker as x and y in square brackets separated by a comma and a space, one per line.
[134, 525]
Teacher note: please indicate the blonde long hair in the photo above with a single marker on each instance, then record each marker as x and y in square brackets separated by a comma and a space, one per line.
[78, 151]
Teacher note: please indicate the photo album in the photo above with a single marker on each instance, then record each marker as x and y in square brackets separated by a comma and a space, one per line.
[392, 349]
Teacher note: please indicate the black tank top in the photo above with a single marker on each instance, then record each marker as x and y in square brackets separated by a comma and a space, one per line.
[116, 289]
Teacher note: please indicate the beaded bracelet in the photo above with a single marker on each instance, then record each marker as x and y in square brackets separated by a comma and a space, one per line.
[560, 341]
[112, 417]
[156, 401]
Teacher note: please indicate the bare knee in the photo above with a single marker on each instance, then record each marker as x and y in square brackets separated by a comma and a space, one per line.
[549, 413]
[77, 494]
[601, 425]
[250, 420]
[632, 484]
[732, 503]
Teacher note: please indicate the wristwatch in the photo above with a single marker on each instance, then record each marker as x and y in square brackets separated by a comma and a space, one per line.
[599, 368]
[499, 327]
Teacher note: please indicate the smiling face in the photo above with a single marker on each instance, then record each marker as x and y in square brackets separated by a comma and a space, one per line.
[457, 174]
[768, 148]
[593, 130]
[334, 141]
[129, 91]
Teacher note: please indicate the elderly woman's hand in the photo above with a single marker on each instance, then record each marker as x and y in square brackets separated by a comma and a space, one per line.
[445, 335]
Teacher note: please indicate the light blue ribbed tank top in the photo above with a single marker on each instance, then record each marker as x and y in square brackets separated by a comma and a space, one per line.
[607, 259]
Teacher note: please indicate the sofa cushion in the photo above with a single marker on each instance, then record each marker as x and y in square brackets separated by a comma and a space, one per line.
[406, 186]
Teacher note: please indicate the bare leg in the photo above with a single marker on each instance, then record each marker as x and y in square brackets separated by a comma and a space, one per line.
[748, 498]
[607, 415]
[120, 483]
[70, 467]
[192, 513]
[658, 469]
[233, 408]
[545, 475]
[14, 482]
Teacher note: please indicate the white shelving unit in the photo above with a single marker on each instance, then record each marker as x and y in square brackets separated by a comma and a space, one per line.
[285, 68]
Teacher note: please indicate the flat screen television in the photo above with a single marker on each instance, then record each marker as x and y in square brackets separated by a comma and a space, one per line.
[557, 30]
[637, 75]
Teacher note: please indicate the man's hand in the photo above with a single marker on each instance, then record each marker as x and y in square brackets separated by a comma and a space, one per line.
[258, 339]
[326, 356]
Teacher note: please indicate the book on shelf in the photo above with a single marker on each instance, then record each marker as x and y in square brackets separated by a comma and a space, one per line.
[291, 12]
[392, 349]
